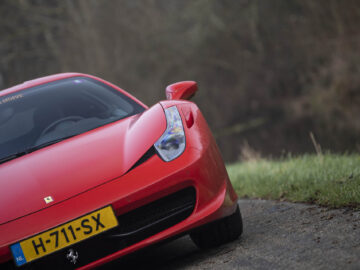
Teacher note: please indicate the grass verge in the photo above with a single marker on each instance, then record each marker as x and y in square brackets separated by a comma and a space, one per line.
[330, 180]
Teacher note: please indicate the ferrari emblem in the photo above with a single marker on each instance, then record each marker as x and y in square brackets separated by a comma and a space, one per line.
[48, 199]
[72, 256]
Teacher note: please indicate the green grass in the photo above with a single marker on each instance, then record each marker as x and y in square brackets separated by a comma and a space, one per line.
[330, 180]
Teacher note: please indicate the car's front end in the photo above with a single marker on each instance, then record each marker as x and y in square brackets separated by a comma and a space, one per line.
[176, 183]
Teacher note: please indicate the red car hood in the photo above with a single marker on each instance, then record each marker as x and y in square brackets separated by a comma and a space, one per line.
[73, 166]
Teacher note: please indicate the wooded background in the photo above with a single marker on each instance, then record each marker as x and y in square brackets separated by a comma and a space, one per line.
[269, 71]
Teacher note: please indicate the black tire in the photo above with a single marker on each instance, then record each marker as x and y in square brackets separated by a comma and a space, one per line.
[219, 232]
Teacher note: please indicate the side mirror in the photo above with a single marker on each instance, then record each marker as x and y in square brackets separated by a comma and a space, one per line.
[181, 90]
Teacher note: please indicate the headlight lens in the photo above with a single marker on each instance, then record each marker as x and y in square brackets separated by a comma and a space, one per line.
[172, 143]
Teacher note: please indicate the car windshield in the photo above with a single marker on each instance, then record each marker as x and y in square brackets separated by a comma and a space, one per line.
[42, 115]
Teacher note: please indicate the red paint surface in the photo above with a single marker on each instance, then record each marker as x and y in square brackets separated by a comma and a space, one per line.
[181, 90]
[75, 165]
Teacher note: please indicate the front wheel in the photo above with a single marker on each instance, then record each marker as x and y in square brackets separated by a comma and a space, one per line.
[219, 232]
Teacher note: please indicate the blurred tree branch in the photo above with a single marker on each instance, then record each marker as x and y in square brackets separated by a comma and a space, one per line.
[293, 63]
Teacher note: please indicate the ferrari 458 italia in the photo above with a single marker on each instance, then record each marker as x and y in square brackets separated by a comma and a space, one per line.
[88, 174]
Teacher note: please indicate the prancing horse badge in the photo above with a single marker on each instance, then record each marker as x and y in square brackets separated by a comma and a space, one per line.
[48, 199]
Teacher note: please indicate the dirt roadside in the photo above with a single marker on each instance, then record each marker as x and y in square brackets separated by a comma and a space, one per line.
[277, 235]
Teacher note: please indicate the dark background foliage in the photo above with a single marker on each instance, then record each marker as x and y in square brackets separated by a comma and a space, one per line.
[269, 71]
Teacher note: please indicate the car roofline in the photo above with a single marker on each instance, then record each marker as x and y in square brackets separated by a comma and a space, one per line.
[60, 76]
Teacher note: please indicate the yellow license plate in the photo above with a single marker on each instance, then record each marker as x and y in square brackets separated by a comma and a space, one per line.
[64, 235]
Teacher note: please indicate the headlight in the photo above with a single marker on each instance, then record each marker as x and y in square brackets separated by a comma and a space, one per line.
[172, 143]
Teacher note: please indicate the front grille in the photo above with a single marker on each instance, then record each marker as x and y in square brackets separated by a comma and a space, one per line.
[134, 226]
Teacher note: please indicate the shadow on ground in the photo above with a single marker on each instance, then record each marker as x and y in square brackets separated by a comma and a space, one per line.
[277, 235]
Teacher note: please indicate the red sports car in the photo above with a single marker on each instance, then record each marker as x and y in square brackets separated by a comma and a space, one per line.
[88, 174]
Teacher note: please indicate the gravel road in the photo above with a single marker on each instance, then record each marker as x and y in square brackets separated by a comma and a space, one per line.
[277, 235]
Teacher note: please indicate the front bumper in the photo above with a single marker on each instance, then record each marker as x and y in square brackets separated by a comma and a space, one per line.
[202, 169]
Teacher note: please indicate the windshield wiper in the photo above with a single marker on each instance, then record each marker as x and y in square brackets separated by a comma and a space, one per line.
[12, 157]
[37, 147]
[34, 148]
